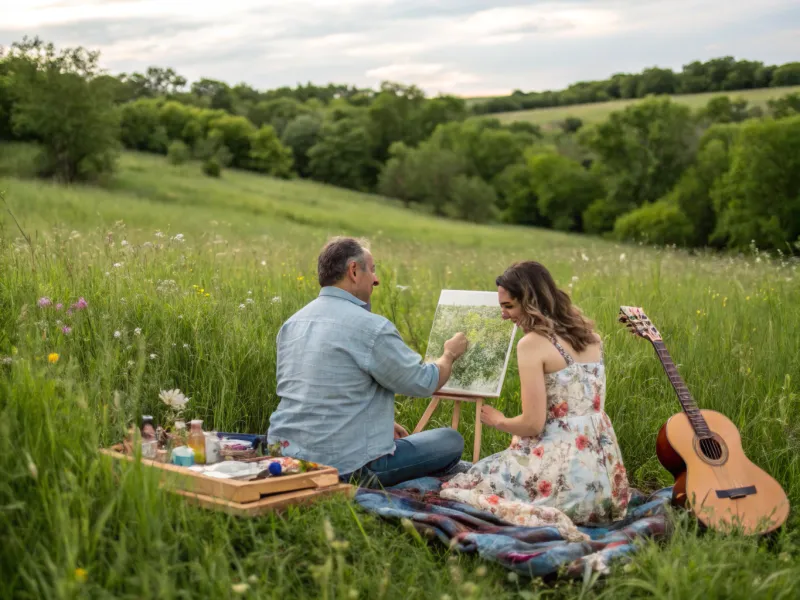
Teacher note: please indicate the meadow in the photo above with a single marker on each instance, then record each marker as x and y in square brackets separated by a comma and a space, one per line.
[548, 118]
[185, 281]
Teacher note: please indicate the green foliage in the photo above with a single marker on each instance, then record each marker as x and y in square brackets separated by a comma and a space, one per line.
[722, 109]
[235, 134]
[786, 75]
[758, 199]
[642, 150]
[60, 102]
[212, 167]
[479, 370]
[268, 155]
[178, 153]
[564, 189]
[786, 106]
[472, 199]
[342, 155]
[571, 124]
[659, 223]
[516, 198]
[278, 113]
[300, 135]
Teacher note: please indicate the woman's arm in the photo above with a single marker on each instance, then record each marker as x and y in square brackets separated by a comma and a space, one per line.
[532, 390]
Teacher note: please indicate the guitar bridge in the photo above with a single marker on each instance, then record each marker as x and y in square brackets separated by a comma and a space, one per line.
[734, 493]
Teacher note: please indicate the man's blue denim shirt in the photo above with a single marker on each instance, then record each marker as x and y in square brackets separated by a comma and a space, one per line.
[339, 367]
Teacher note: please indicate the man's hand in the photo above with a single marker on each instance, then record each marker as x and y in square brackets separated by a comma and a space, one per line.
[399, 432]
[491, 416]
[456, 345]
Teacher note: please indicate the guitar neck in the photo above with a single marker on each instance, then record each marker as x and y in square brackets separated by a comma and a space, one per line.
[684, 397]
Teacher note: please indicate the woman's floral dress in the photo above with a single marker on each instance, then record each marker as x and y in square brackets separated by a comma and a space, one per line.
[570, 474]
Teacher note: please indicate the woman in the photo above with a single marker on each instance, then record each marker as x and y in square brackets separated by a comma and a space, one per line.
[564, 466]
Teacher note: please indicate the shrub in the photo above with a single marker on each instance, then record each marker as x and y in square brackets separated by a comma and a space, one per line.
[178, 153]
[658, 223]
[211, 167]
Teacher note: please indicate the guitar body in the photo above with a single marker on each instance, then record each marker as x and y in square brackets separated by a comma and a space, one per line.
[718, 482]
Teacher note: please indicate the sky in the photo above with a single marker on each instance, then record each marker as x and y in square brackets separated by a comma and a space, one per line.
[462, 47]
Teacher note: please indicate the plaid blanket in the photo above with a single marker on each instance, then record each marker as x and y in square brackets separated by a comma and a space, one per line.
[531, 551]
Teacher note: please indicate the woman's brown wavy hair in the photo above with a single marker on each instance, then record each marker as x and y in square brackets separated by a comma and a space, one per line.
[546, 309]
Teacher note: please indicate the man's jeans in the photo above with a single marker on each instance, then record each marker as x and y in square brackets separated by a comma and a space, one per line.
[432, 452]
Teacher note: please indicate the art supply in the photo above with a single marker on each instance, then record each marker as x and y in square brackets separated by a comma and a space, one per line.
[212, 448]
[183, 456]
[149, 448]
[148, 428]
[197, 441]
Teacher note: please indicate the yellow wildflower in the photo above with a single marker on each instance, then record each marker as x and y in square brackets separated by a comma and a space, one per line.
[81, 575]
[52, 358]
[207, 294]
[300, 278]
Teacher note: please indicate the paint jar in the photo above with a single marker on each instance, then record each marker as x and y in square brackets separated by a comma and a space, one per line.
[197, 441]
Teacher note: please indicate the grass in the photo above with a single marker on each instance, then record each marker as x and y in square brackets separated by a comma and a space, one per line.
[200, 312]
[599, 111]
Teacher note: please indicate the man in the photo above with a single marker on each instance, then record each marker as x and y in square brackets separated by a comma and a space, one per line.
[339, 367]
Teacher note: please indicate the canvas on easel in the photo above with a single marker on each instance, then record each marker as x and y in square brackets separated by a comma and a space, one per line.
[480, 372]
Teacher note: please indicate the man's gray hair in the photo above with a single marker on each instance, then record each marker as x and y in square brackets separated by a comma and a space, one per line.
[336, 257]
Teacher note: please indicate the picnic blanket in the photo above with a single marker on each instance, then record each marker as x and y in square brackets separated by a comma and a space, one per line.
[531, 551]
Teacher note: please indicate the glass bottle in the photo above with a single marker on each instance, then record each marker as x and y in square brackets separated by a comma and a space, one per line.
[197, 441]
[148, 430]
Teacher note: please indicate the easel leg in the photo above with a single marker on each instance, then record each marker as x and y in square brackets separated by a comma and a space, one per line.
[426, 416]
[476, 451]
[456, 414]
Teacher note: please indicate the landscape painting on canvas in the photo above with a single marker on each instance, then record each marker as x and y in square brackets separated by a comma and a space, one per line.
[480, 372]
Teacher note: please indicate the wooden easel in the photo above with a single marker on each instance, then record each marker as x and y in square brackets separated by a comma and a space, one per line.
[434, 404]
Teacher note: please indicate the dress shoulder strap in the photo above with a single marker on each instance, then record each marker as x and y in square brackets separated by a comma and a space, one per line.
[567, 356]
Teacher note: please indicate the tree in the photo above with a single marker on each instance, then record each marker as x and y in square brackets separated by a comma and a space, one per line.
[278, 113]
[61, 103]
[786, 106]
[300, 135]
[217, 93]
[721, 109]
[472, 199]
[394, 117]
[657, 81]
[343, 155]
[786, 75]
[515, 196]
[758, 198]
[659, 223]
[564, 189]
[641, 152]
[268, 155]
[234, 133]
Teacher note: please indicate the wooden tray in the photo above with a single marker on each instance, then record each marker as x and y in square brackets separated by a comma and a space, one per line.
[267, 504]
[183, 479]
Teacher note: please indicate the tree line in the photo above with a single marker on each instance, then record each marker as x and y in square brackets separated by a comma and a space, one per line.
[723, 176]
[725, 74]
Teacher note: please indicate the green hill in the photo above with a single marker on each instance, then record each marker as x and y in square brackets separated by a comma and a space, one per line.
[187, 280]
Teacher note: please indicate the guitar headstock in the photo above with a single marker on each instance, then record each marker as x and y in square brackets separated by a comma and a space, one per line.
[638, 323]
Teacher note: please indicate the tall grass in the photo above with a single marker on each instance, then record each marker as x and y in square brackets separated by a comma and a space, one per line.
[187, 281]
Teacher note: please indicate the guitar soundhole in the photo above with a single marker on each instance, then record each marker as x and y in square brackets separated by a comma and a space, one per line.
[712, 449]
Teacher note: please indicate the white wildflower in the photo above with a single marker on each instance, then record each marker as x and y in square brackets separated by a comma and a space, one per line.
[186, 346]
[117, 265]
[242, 306]
[574, 278]
[263, 263]
[250, 301]
[178, 237]
[584, 257]
[622, 257]
[158, 234]
[131, 363]
[173, 398]
[137, 331]
[153, 356]
[6, 360]
[117, 334]
[148, 244]
[180, 317]
[240, 588]
[107, 274]
[276, 299]
[249, 292]
[122, 301]
[123, 243]
[402, 288]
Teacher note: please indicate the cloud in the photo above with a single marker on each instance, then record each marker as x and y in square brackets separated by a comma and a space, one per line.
[457, 46]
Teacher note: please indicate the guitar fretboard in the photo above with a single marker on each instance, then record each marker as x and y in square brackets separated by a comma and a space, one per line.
[684, 397]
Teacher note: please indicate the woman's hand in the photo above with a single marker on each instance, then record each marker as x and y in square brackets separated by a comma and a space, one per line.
[399, 432]
[491, 416]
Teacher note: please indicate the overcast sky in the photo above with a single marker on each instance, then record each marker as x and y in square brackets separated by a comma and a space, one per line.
[465, 47]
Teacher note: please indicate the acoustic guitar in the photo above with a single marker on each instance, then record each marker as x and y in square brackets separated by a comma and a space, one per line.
[702, 449]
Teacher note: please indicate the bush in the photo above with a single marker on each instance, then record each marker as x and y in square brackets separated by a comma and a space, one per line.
[658, 223]
[211, 167]
[178, 153]
[571, 124]
[472, 199]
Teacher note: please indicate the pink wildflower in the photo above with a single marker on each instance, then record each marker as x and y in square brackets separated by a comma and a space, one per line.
[80, 304]
[59, 306]
[66, 329]
[44, 302]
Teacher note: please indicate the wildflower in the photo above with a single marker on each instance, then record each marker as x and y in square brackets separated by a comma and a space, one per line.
[206, 294]
[512, 577]
[80, 304]
[44, 302]
[180, 316]
[178, 237]
[153, 356]
[137, 331]
[174, 398]
[242, 306]
[123, 243]
[240, 588]
[622, 257]
[584, 257]
[250, 301]
[252, 579]
[117, 334]
[186, 346]
[59, 306]
[131, 363]
[276, 299]
[81, 575]
[117, 265]
[481, 571]
[263, 263]
[249, 292]
[6, 360]
[300, 278]
[402, 288]
[32, 467]
[52, 358]
[66, 330]
[158, 234]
